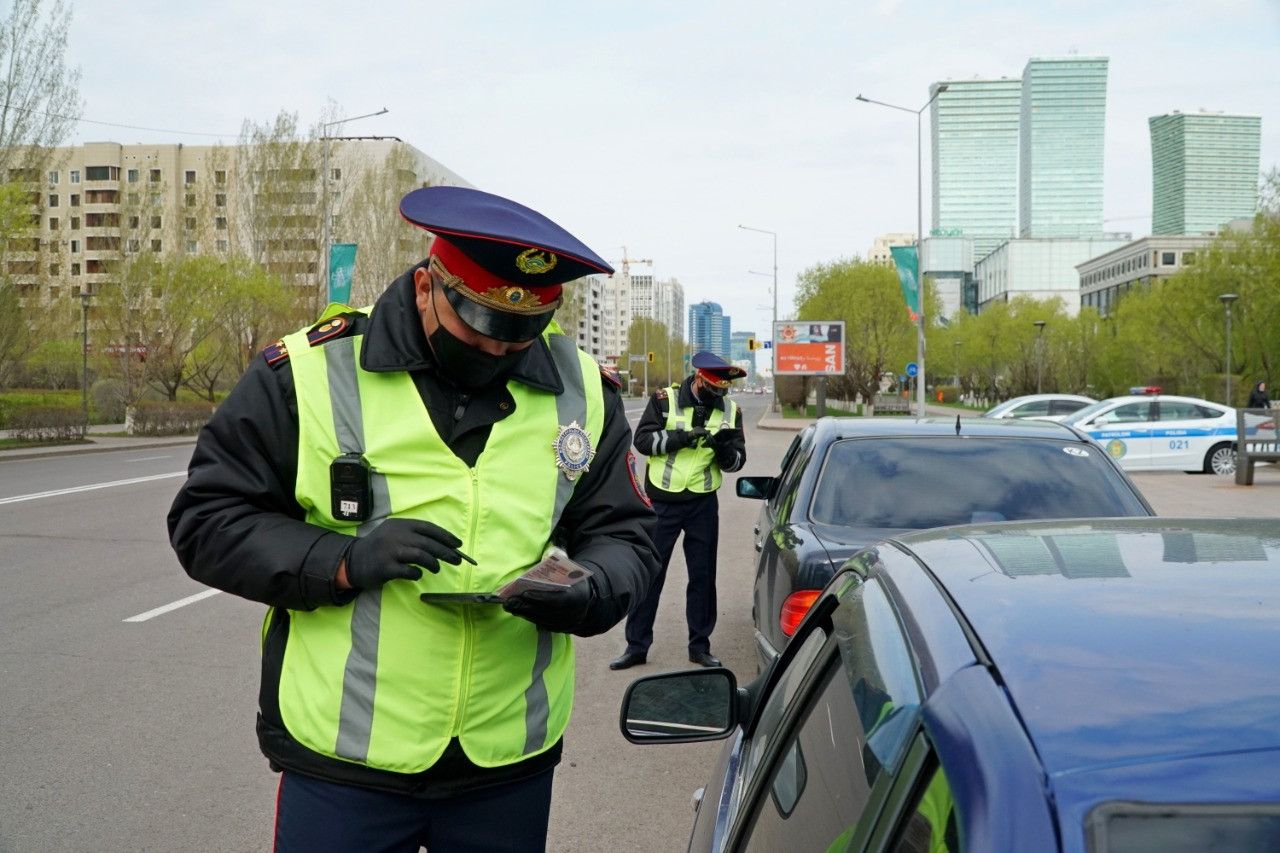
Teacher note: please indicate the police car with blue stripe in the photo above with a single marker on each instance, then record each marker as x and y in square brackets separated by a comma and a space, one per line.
[1162, 432]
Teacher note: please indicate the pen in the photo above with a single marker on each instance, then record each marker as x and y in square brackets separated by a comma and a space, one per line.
[464, 556]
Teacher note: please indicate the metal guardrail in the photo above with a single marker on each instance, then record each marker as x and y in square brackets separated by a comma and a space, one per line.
[1258, 440]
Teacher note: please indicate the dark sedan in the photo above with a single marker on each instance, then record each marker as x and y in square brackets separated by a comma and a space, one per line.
[847, 482]
[1105, 686]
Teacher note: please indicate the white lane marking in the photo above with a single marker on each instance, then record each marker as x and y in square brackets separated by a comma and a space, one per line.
[160, 611]
[89, 488]
[150, 458]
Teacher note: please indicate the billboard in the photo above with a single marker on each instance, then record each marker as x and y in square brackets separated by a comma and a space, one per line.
[808, 349]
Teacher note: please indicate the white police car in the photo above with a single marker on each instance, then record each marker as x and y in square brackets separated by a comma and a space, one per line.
[1162, 432]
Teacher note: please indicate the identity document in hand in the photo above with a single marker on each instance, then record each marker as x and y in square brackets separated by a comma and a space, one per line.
[555, 570]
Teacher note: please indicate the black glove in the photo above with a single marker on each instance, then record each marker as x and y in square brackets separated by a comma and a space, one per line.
[563, 610]
[678, 439]
[699, 437]
[723, 440]
[395, 550]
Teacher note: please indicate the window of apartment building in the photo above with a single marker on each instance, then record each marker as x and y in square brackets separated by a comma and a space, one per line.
[220, 223]
[222, 245]
[191, 247]
[75, 223]
[155, 245]
[54, 291]
[336, 174]
[189, 177]
[53, 200]
[75, 247]
[1168, 259]
[135, 245]
[135, 221]
[220, 176]
[132, 176]
[53, 178]
[75, 268]
[54, 269]
[155, 222]
[154, 199]
[189, 199]
[53, 223]
[102, 173]
[189, 223]
[53, 247]
[102, 197]
[155, 176]
[74, 176]
[220, 200]
[75, 199]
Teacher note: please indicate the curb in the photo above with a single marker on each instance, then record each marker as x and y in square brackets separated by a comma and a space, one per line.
[780, 425]
[38, 453]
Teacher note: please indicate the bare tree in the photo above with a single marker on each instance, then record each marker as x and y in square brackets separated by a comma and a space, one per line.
[39, 94]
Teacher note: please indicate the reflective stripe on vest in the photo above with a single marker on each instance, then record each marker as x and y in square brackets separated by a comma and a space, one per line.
[690, 468]
[388, 680]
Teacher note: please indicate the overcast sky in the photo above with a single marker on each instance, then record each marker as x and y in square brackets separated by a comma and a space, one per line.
[663, 125]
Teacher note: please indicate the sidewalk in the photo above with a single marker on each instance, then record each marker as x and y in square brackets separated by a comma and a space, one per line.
[99, 441]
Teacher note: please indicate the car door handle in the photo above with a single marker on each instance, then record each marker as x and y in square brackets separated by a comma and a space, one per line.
[759, 546]
[756, 530]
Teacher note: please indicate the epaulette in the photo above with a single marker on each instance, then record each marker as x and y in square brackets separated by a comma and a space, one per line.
[328, 329]
[276, 353]
[611, 375]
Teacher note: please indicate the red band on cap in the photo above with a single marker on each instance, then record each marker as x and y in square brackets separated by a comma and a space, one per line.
[712, 379]
[478, 279]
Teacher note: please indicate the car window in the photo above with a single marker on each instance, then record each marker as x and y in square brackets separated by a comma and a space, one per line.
[1182, 828]
[1033, 408]
[1065, 407]
[792, 466]
[931, 825]
[850, 735]
[1174, 410]
[913, 483]
[1130, 413]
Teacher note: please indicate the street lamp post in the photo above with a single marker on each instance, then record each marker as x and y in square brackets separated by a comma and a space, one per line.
[1227, 299]
[324, 189]
[920, 380]
[84, 356]
[955, 346]
[1039, 324]
[774, 324]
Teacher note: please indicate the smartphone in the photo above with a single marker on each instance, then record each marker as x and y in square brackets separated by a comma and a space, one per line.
[461, 597]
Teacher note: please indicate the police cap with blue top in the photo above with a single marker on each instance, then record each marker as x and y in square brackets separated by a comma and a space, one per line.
[501, 264]
[714, 370]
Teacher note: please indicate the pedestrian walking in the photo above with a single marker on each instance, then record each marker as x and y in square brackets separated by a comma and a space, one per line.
[451, 428]
[1258, 398]
[692, 433]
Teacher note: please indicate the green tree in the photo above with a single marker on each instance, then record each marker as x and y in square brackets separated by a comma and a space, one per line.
[39, 94]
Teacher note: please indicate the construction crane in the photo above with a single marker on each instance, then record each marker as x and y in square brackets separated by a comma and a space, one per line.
[626, 261]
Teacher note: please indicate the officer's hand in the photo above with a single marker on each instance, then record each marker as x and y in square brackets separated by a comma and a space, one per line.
[562, 610]
[678, 439]
[723, 440]
[699, 437]
[395, 550]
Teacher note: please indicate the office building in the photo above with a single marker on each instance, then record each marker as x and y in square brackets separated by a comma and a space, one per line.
[1064, 103]
[709, 329]
[1204, 170]
[1039, 268]
[1106, 278]
[946, 264]
[975, 160]
[880, 253]
[100, 202]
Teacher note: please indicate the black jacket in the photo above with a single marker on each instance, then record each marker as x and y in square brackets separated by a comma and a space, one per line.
[236, 525]
[1258, 399]
[652, 438]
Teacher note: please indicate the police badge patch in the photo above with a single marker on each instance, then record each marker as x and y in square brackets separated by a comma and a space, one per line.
[573, 451]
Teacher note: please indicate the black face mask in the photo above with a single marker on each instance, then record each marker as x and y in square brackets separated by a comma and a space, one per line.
[467, 368]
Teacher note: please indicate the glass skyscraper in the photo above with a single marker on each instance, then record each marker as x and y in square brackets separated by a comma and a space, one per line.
[1064, 102]
[1204, 171]
[709, 329]
[975, 161]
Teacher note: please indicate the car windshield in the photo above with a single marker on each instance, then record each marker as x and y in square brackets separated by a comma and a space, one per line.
[916, 483]
[1088, 411]
[1001, 408]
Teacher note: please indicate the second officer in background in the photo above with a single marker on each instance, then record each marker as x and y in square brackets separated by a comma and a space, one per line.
[691, 432]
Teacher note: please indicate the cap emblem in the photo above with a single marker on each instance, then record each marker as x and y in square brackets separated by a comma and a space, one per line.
[573, 451]
[536, 261]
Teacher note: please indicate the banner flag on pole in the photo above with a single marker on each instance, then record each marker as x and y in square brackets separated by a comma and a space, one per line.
[342, 265]
[908, 264]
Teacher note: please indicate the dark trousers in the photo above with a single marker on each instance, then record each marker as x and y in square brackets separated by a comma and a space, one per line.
[699, 520]
[313, 816]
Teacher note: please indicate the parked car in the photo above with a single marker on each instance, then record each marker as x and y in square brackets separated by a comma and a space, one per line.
[1053, 407]
[1145, 432]
[1107, 685]
[847, 482]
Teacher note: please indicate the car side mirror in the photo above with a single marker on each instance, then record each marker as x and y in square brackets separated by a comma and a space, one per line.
[681, 707]
[754, 488]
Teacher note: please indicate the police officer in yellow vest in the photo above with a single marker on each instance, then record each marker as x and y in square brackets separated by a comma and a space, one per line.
[691, 433]
[452, 428]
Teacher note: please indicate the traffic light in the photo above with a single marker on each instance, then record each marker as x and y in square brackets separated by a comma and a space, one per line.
[753, 344]
[651, 357]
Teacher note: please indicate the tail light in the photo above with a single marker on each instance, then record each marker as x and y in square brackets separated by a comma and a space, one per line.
[795, 608]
